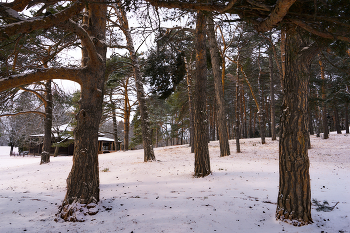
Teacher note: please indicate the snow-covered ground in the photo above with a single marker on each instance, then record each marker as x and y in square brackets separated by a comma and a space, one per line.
[163, 196]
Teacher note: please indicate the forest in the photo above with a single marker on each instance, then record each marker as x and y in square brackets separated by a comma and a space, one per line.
[154, 73]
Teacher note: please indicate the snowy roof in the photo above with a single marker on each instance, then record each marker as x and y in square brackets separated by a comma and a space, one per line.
[42, 135]
[64, 127]
[105, 139]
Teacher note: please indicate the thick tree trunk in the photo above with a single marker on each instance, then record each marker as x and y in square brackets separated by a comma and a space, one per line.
[219, 94]
[145, 127]
[45, 154]
[83, 180]
[294, 196]
[272, 97]
[201, 150]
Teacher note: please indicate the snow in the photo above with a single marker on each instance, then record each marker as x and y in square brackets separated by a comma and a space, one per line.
[163, 196]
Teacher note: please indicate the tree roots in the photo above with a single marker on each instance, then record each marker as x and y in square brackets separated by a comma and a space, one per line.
[75, 212]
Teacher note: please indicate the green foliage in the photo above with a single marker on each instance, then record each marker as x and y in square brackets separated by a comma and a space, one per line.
[165, 71]
[137, 137]
[74, 102]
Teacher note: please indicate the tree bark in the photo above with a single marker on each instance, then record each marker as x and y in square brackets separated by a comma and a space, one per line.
[219, 94]
[201, 150]
[294, 196]
[45, 154]
[83, 179]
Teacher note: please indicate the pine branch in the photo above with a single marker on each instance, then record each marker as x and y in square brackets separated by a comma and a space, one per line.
[21, 113]
[42, 22]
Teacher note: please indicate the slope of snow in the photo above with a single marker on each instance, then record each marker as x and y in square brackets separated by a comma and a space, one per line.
[163, 196]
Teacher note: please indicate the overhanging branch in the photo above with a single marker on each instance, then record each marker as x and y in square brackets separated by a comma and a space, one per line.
[42, 22]
[73, 74]
[189, 6]
[26, 112]
[276, 16]
[318, 33]
[85, 39]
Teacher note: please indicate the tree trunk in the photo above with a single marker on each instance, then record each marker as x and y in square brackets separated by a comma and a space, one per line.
[212, 122]
[201, 150]
[336, 120]
[272, 97]
[145, 127]
[261, 110]
[318, 121]
[83, 179]
[126, 128]
[222, 125]
[324, 108]
[237, 131]
[346, 118]
[55, 154]
[294, 196]
[114, 119]
[311, 125]
[45, 155]
[251, 133]
[244, 121]
[11, 148]
[190, 104]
